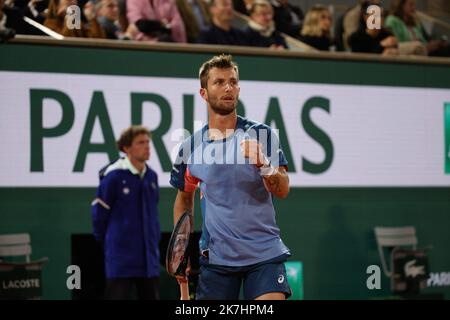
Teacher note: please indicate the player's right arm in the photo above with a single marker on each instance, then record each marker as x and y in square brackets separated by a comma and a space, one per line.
[181, 178]
[183, 202]
[186, 185]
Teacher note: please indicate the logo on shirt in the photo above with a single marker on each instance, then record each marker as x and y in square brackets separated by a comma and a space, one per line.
[126, 190]
[280, 278]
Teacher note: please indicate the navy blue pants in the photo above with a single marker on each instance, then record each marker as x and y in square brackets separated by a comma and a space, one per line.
[224, 283]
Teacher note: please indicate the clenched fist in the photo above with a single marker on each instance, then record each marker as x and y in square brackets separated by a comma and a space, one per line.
[252, 149]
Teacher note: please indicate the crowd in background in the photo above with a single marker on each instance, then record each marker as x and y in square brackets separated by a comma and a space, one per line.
[267, 23]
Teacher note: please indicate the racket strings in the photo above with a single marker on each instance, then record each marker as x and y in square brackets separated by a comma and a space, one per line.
[177, 251]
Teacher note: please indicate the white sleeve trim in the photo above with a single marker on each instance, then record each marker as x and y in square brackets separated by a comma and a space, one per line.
[101, 202]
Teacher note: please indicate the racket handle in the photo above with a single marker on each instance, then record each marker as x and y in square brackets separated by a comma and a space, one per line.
[184, 289]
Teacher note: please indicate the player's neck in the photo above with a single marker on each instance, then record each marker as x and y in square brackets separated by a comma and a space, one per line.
[226, 124]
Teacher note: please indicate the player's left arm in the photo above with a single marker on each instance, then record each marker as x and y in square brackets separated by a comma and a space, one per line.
[275, 179]
[278, 182]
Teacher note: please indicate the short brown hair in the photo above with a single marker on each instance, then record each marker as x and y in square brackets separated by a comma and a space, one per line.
[128, 135]
[223, 61]
[259, 3]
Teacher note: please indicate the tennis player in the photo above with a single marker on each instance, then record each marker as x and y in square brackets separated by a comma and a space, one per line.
[238, 166]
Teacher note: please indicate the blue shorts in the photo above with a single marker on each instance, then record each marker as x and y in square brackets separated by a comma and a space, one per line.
[224, 283]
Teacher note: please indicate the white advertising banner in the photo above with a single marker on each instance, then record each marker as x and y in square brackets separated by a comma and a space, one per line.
[53, 128]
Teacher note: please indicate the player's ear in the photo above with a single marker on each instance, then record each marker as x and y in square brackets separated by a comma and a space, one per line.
[204, 94]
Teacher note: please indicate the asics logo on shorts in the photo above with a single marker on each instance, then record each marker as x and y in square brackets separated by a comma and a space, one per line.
[281, 279]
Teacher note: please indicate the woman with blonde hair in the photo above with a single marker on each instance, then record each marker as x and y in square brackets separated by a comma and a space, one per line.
[316, 30]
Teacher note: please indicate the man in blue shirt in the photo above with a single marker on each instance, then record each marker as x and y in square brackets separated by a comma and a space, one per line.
[238, 166]
[125, 219]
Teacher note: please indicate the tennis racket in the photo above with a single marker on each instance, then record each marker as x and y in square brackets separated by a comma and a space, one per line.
[177, 255]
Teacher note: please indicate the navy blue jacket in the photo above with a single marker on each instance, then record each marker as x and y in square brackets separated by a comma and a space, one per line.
[125, 220]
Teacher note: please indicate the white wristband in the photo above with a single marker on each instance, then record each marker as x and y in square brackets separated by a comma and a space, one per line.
[267, 171]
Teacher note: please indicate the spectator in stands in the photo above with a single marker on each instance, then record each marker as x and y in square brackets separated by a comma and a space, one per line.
[288, 18]
[195, 15]
[56, 20]
[35, 10]
[157, 20]
[123, 20]
[351, 21]
[242, 6]
[339, 32]
[405, 25]
[8, 22]
[108, 18]
[221, 31]
[373, 40]
[20, 4]
[261, 28]
[11, 21]
[316, 30]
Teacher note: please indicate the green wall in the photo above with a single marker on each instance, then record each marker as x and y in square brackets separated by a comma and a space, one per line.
[329, 230]
[80, 60]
